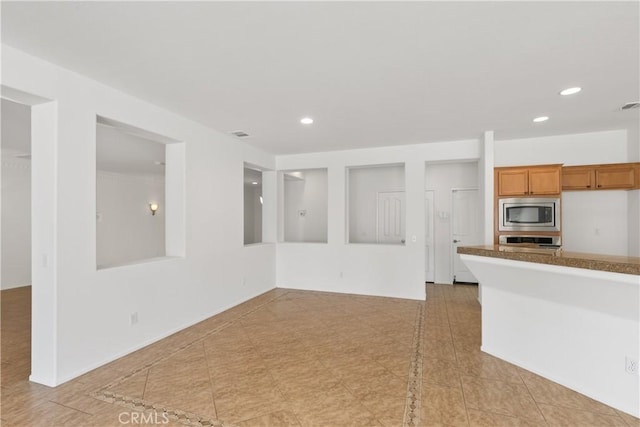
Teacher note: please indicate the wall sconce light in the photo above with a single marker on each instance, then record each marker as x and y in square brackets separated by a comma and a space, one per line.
[153, 207]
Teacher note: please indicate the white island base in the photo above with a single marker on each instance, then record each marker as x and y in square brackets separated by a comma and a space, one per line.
[573, 326]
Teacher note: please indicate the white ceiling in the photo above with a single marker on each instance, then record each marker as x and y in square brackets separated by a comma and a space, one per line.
[369, 73]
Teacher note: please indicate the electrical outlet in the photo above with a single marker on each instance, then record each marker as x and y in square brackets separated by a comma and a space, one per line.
[133, 318]
[631, 365]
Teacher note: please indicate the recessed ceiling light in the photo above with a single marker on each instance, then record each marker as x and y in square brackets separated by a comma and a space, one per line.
[254, 183]
[541, 119]
[306, 120]
[570, 91]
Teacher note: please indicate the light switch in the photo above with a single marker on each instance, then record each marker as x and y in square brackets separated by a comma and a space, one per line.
[414, 239]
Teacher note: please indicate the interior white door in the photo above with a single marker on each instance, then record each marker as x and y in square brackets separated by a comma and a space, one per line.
[429, 243]
[391, 211]
[465, 228]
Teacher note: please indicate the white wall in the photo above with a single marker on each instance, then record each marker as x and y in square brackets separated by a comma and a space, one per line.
[125, 229]
[372, 269]
[442, 178]
[87, 311]
[16, 223]
[595, 223]
[309, 193]
[364, 186]
[570, 150]
[585, 213]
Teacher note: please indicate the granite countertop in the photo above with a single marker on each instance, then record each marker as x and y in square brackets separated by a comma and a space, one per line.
[614, 264]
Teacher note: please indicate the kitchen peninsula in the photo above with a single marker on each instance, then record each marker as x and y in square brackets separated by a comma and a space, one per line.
[570, 317]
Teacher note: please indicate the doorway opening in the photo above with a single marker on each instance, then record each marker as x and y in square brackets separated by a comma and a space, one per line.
[15, 282]
[450, 214]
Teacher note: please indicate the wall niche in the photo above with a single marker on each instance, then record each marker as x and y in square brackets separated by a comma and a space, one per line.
[305, 207]
[131, 199]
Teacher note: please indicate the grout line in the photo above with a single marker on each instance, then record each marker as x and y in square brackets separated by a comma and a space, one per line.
[69, 407]
[213, 398]
[455, 353]
[414, 384]
[533, 398]
[144, 389]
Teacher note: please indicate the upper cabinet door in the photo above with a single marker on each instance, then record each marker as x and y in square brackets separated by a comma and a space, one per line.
[513, 182]
[621, 177]
[614, 176]
[531, 181]
[544, 180]
[578, 178]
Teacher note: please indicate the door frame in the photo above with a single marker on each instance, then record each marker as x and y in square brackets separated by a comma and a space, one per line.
[451, 258]
[432, 255]
[44, 283]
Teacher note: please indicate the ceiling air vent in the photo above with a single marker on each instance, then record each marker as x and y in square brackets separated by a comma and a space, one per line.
[239, 133]
[630, 105]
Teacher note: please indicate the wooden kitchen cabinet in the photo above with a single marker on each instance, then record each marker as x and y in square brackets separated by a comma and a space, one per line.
[528, 181]
[617, 176]
[578, 178]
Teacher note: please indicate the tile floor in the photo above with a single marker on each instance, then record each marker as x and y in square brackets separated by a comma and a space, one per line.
[303, 359]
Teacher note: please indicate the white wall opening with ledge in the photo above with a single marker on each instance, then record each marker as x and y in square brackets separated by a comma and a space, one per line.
[139, 190]
[377, 204]
[305, 205]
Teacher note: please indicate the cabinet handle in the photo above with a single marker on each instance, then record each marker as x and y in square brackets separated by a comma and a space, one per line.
[599, 185]
[589, 186]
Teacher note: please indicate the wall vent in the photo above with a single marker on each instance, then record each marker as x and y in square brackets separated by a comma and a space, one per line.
[630, 105]
[239, 133]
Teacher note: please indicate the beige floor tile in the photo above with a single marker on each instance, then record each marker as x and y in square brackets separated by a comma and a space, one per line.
[479, 364]
[443, 405]
[442, 372]
[548, 392]
[49, 414]
[486, 419]
[388, 409]
[437, 331]
[439, 349]
[500, 397]
[133, 386]
[629, 419]
[76, 395]
[274, 419]
[557, 416]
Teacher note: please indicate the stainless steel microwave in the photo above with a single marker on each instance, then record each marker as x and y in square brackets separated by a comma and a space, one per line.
[529, 214]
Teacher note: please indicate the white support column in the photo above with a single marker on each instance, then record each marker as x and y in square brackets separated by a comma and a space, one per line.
[486, 169]
[43, 243]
